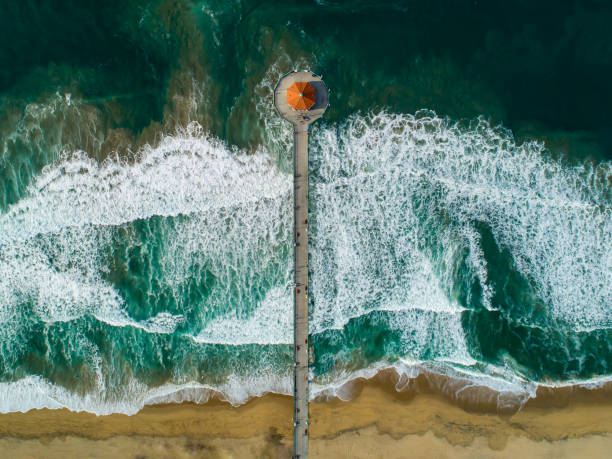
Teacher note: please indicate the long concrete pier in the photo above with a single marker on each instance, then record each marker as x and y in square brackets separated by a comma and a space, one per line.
[300, 189]
[301, 120]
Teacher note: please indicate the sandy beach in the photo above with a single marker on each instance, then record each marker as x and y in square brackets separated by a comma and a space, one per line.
[378, 422]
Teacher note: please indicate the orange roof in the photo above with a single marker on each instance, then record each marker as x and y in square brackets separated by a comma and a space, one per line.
[301, 95]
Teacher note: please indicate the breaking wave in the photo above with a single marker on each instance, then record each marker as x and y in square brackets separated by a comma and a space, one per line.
[190, 245]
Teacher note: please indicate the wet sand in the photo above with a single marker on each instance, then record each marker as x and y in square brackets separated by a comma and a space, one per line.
[378, 422]
[363, 443]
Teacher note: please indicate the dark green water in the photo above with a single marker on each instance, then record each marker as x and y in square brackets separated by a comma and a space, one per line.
[461, 214]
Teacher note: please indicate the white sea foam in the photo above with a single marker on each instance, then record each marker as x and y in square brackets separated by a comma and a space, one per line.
[507, 389]
[34, 392]
[270, 323]
[47, 126]
[53, 240]
[185, 174]
[395, 198]
[388, 187]
[39, 133]
[27, 275]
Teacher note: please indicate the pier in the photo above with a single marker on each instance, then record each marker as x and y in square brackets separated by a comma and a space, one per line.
[301, 97]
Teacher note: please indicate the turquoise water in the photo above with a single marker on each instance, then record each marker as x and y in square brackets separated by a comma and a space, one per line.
[461, 214]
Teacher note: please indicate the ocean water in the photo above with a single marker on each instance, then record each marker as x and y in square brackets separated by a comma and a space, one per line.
[461, 205]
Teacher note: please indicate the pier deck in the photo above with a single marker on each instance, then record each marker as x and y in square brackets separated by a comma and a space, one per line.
[301, 121]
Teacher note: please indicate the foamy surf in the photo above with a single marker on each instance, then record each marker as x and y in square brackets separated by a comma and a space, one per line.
[184, 174]
[377, 179]
[193, 241]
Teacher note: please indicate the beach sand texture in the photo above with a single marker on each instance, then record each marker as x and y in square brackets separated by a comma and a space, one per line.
[378, 422]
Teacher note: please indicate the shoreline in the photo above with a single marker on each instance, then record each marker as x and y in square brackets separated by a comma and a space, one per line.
[377, 413]
[474, 398]
[404, 382]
